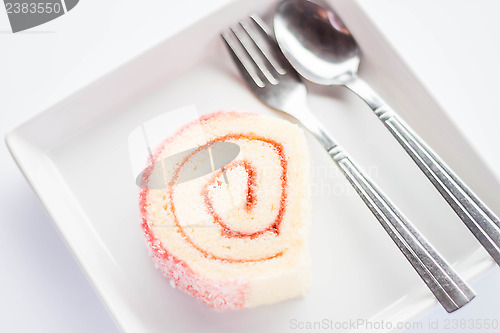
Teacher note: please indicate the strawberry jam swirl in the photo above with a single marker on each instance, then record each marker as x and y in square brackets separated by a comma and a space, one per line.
[251, 200]
[250, 197]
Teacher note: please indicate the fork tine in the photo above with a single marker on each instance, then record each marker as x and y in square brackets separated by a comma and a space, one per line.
[260, 34]
[255, 51]
[241, 31]
[241, 58]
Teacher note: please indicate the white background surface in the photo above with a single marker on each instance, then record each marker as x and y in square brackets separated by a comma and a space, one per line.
[452, 46]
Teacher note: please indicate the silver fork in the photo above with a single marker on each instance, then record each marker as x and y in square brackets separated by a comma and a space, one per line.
[272, 79]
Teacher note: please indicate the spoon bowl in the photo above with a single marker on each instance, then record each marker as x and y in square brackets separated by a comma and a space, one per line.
[308, 33]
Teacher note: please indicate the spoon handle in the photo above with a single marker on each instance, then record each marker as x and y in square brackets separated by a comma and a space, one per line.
[473, 212]
[450, 290]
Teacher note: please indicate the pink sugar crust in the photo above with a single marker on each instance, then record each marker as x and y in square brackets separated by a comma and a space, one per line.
[220, 295]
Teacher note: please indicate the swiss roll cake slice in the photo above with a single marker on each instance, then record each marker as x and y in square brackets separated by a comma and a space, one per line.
[236, 237]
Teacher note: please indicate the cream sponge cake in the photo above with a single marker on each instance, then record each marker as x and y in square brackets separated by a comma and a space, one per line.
[236, 237]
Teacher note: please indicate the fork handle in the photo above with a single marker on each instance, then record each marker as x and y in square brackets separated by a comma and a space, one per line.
[439, 276]
[477, 217]
[472, 211]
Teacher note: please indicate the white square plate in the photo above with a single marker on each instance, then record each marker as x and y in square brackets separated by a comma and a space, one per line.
[75, 155]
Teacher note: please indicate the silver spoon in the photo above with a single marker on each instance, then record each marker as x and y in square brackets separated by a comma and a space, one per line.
[320, 47]
[275, 83]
